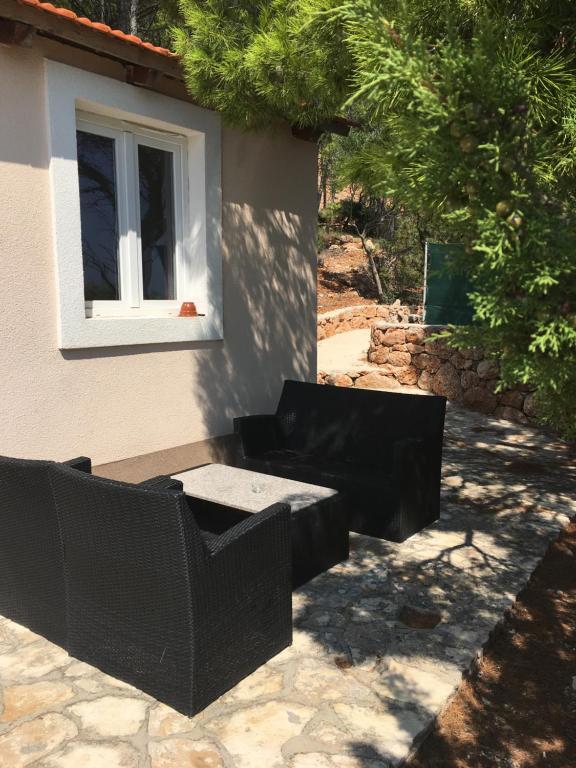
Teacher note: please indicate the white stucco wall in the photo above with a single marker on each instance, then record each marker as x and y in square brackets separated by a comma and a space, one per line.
[115, 403]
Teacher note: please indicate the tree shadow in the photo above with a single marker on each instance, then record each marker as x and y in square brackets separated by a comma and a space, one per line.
[467, 569]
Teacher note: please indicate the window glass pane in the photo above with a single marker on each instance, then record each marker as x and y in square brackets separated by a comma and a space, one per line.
[99, 215]
[156, 176]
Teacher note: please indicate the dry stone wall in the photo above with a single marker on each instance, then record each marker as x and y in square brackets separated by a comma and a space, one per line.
[404, 352]
[364, 316]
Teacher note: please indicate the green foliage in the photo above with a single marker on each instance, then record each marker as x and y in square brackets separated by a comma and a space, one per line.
[472, 114]
[262, 63]
[480, 134]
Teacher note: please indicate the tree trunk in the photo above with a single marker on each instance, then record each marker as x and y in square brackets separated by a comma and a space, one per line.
[128, 16]
[134, 17]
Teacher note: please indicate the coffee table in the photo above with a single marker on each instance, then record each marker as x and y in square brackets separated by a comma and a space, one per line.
[220, 496]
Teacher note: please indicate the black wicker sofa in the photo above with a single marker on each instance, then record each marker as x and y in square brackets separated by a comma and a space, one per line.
[381, 450]
[31, 565]
[121, 576]
[154, 601]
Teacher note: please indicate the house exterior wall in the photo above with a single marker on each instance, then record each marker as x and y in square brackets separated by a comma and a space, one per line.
[115, 403]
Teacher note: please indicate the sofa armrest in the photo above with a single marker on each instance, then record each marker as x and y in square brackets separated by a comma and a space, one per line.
[415, 486]
[257, 434]
[162, 483]
[81, 463]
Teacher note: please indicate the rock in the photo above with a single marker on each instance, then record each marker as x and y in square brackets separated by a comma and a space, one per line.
[415, 349]
[177, 753]
[480, 399]
[513, 398]
[34, 739]
[469, 379]
[439, 349]
[111, 715]
[25, 700]
[510, 414]
[488, 369]
[394, 336]
[165, 721]
[390, 733]
[339, 380]
[32, 661]
[446, 382]
[425, 381]
[421, 683]
[263, 682]
[427, 362]
[419, 618]
[254, 736]
[87, 755]
[378, 355]
[399, 359]
[530, 408]
[459, 361]
[376, 381]
[407, 375]
[415, 335]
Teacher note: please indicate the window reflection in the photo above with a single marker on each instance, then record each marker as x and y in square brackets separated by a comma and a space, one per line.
[156, 177]
[99, 215]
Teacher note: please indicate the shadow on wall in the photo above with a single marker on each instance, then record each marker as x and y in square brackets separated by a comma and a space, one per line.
[269, 303]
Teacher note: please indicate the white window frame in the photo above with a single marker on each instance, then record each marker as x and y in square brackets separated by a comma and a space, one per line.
[83, 100]
[128, 137]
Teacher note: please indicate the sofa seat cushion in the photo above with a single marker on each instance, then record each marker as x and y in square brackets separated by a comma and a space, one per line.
[340, 475]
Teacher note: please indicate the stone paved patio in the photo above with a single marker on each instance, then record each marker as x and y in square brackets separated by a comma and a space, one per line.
[359, 687]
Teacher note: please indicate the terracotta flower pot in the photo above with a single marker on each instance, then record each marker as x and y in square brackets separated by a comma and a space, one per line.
[188, 309]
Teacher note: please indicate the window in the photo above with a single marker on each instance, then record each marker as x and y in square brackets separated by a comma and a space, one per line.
[132, 212]
[136, 203]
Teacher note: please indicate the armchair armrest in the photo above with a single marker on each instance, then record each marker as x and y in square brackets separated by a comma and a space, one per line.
[81, 463]
[162, 483]
[257, 434]
[270, 525]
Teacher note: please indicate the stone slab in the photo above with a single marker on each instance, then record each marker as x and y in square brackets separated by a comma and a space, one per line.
[358, 688]
[247, 490]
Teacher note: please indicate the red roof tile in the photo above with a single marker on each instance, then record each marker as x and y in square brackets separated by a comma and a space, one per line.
[102, 28]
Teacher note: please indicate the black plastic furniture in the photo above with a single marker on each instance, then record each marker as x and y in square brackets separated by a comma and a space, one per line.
[31, 566]
[381, 450]
[153, 602]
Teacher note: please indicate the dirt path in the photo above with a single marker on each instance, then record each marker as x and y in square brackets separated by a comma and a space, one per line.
[519, 710]
[343, 278]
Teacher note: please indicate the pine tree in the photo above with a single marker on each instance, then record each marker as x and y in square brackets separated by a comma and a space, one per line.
[149, 19]
[261, 63]
[472, 105]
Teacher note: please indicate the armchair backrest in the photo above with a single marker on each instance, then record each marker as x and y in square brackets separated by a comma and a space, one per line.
[355, 424]
[131, 555]
[31, 563]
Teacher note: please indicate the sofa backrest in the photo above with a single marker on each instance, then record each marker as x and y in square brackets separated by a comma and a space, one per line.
[130, 557]
[31, 564]
[355, 424]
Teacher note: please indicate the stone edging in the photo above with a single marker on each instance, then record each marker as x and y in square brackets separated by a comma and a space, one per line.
[363, 316]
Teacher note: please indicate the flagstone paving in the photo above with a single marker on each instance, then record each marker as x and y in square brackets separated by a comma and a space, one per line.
[359, 687]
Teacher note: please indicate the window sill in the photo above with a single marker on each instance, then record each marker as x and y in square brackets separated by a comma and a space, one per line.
[134, 331]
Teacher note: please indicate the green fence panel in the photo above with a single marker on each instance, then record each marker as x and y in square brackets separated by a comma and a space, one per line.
[446, 299]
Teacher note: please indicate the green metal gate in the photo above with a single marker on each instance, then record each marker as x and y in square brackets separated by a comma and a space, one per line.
[446, 291]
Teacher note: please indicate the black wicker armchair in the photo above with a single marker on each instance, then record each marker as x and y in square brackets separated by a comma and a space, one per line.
[381, 450]
[31, 565]
[151, 600]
